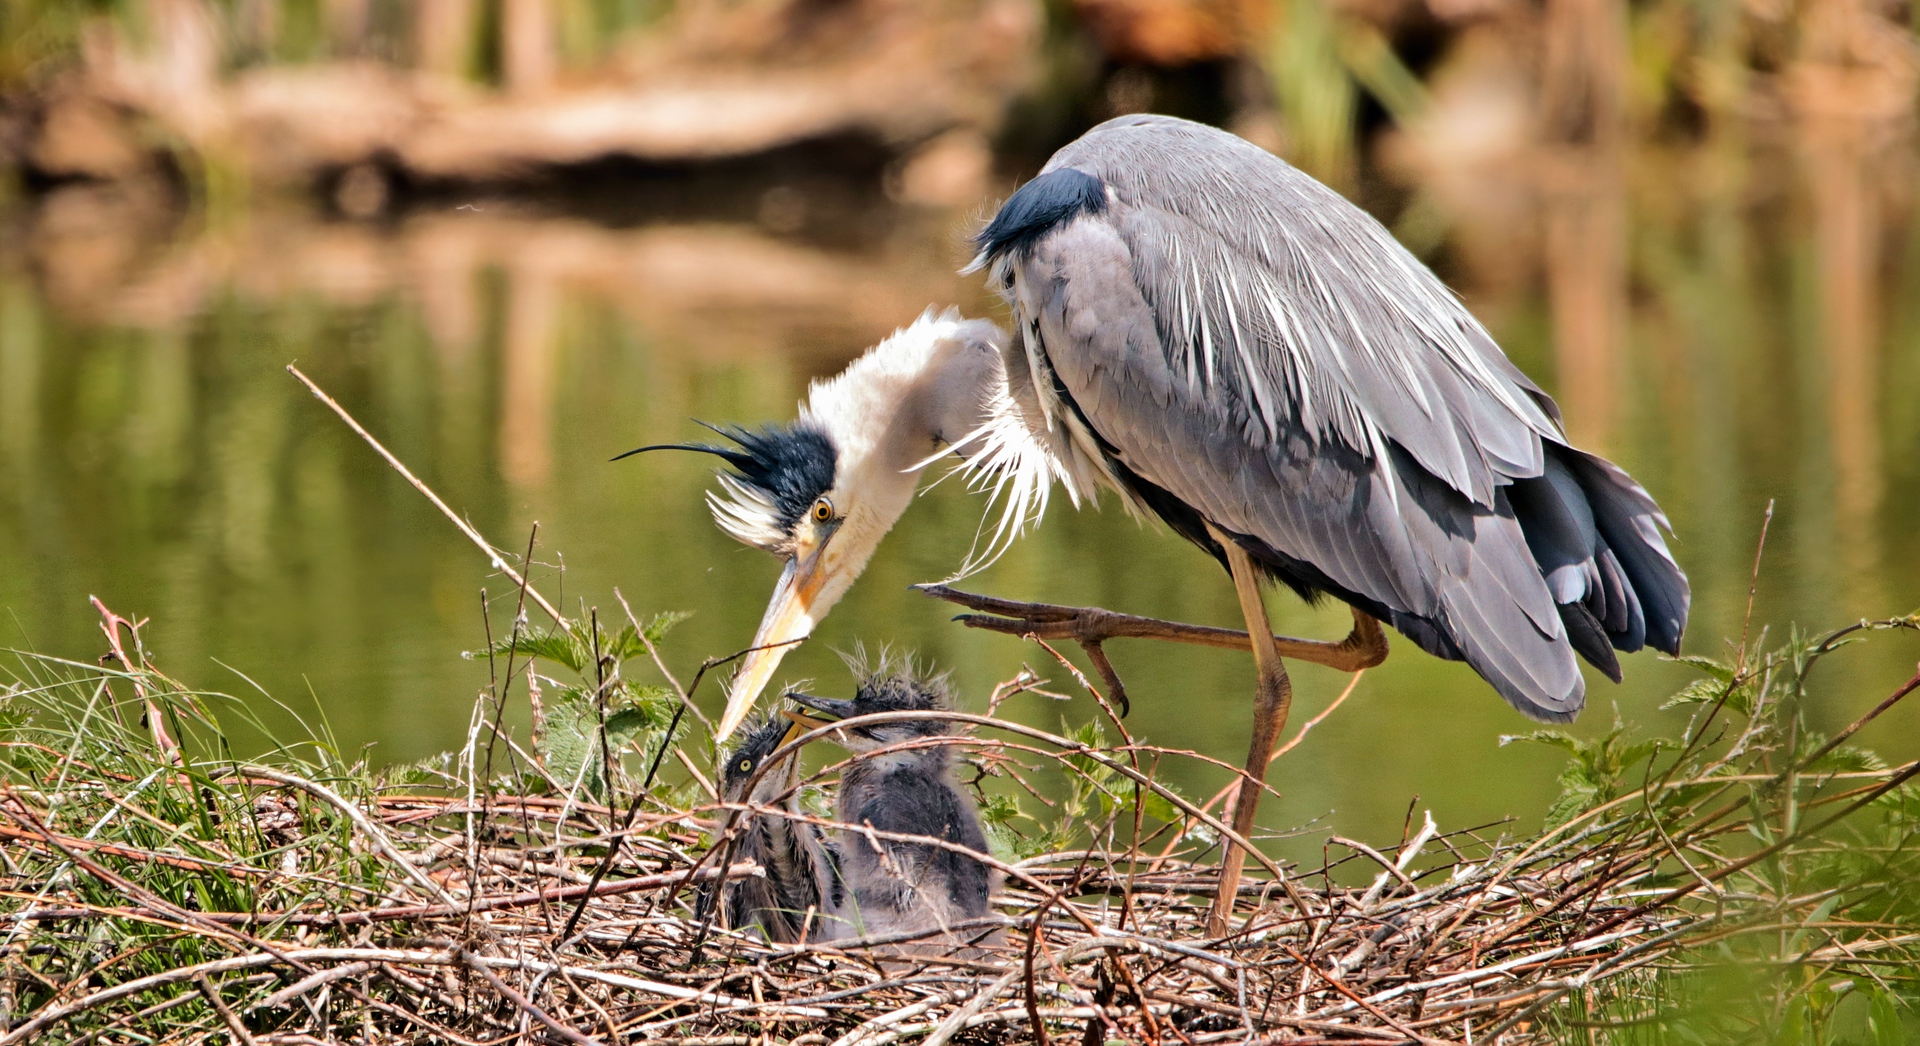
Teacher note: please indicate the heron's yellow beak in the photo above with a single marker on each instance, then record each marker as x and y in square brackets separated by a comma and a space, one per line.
[797, 606]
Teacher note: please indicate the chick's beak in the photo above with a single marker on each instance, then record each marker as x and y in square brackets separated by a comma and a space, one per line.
[832, 709]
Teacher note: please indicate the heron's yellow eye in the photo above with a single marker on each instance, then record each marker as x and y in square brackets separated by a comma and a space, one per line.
[745, 765]
[823, 511]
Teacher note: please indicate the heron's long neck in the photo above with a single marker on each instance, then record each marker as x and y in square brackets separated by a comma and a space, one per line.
[901, 403]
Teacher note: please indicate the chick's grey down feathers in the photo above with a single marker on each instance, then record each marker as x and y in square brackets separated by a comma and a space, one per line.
[798, 869]
[897, 886]
[1246, 347]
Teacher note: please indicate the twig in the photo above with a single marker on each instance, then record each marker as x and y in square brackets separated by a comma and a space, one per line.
[494, 556]
[241, 1035]
[525, 1004]
[1346, 692]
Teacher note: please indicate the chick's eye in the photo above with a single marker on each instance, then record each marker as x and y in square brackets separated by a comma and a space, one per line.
[745, 765]
[822, 511]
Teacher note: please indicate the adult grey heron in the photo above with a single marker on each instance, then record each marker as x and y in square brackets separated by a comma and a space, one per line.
[901, 781]
[1230, 346]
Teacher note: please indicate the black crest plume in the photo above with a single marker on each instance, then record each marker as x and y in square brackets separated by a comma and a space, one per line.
[792, 465]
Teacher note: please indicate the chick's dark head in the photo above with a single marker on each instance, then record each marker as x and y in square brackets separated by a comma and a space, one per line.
[892, 687]
[759, 739]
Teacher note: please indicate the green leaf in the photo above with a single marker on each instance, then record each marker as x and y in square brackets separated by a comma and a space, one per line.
[557, 645]
[574, 646]
[1159, 806]
[1698, 692]
[1634, 755]
[625, 725]
[1717, 669]
[1819, 915]
[999, 809]
[570, 746]
[1556, 738]
[627, 645]
[1845, 759]
[1883, 1020]
[663, 622]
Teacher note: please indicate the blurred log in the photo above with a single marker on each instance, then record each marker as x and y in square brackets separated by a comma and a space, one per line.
[1167, 32]
[714, 79]
[83, 137]
[731, 290]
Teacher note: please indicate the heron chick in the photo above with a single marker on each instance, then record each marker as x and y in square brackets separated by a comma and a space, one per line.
[901, 781]
[799, 892]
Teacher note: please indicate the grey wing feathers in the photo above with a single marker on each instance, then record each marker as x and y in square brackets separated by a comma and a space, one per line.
[1270, 287]
[1245, 339]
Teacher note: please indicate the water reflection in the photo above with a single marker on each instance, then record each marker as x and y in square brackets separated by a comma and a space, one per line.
[1730, 343]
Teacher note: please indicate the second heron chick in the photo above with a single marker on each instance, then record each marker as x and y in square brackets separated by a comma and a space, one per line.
[799, 890]
[902, 782]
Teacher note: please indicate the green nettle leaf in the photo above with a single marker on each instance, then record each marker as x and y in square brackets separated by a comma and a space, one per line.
[1634, 755]
[997, 814]
[1053, 840]
[1719, 670]
[663, 622]
[1578, 793]
[1594, 768]
[570, 747]
[625, 725]
[1698, 692]
[1159, 806]
[558, 646]
[1003, 842]
[575, 646]
[627, 644]
[999, 809]
[1556, 738]
[1883, 1020]
[1819, 915]
[1845, 759]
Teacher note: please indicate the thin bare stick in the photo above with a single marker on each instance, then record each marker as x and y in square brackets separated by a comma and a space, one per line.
[494, 556]
[1852, 728]
[1753, 587]
[111, 624]
[1315, 721]
[241, 1036]
[525, 1004]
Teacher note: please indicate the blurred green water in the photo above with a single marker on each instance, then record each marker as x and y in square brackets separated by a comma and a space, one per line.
[154, 453]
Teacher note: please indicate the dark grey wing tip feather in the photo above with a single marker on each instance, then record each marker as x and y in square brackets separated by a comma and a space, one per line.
[1590, 639]
[1632, 525]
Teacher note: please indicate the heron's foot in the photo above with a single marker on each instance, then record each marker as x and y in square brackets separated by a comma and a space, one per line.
[1364, 647]
[1087, 626]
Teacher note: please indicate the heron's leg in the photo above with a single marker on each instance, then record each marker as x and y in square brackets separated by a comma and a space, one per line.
[1273, 697]
[1364, 647]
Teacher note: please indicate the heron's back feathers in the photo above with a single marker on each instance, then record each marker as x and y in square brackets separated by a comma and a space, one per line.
[1238, 344]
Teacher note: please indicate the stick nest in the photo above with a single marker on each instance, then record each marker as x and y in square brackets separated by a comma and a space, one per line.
[157, 890]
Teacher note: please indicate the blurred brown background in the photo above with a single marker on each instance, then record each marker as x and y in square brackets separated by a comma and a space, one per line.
[518, 236]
